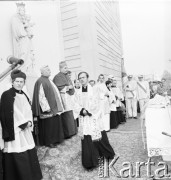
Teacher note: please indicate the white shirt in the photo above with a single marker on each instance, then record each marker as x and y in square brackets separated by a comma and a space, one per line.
[144, 91]
[131, 89]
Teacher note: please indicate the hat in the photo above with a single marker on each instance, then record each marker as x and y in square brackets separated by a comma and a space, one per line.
[163, 79]
[140, 76]
[17, 74]
[130, 76]
[111, 77]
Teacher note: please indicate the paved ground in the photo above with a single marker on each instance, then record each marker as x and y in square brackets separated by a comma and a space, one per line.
[64, 162]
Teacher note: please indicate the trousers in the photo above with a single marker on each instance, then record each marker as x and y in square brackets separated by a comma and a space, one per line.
[142, 102]
[132, 107]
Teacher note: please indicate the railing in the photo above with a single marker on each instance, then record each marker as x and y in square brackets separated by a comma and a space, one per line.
[15, 64]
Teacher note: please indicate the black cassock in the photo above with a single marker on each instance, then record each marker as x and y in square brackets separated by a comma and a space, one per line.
[1, 170]
[69, 123]
[50, 130]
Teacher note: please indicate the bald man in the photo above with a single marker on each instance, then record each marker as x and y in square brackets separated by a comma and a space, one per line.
[47, 107]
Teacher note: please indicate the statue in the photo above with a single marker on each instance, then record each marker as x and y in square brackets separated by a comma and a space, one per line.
[22, 37]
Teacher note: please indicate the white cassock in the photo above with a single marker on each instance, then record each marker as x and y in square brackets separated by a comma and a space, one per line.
[104, 104]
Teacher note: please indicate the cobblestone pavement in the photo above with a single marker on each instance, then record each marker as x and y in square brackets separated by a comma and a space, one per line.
[64, 162]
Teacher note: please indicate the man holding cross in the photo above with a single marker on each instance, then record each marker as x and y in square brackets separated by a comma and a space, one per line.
[143, 91]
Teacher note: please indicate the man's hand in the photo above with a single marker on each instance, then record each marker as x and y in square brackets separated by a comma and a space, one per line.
[23, 126]
[48, 110]
[106, 94]
[70, 87]
[85, 112]
[29, 124]
[1, 144]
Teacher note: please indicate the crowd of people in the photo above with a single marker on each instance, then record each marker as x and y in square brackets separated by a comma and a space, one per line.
[60, 107]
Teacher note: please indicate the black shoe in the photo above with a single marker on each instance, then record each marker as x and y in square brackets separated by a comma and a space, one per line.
[52, 146]
[135, 117]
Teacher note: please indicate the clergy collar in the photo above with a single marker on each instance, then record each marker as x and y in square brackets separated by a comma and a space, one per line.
[84, 88]
[113, 86]
[18, 91]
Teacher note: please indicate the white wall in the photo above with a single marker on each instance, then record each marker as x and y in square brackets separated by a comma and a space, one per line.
[167, 34]
[47, 42]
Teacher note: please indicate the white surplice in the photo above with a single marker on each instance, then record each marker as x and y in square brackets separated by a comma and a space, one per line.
[91, 102]
[23, 138]
[104, 104]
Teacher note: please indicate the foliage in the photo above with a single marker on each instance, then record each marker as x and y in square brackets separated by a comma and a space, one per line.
[166, 75]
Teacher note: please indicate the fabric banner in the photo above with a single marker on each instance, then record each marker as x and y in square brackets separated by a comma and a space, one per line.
[142, 87]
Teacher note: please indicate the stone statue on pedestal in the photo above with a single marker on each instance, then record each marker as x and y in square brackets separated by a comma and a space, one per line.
[22, 37]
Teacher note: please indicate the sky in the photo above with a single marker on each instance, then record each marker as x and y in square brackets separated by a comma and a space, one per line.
[143, 27]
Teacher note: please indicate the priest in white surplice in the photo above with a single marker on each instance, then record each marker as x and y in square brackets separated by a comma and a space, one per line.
[95, 142]
[104, 101]
[20, 161]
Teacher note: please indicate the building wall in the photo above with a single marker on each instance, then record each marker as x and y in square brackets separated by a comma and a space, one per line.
[88, 34]
[70, 32]
[108, 37]
[92, 37]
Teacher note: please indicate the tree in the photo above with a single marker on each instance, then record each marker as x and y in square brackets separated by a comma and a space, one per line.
[166, 75]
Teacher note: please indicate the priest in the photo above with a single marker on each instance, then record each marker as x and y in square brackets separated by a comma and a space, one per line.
[66, 89]
[119, 99]
[104, 101]
[47, 108]
[20, 160]
[95, 142]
